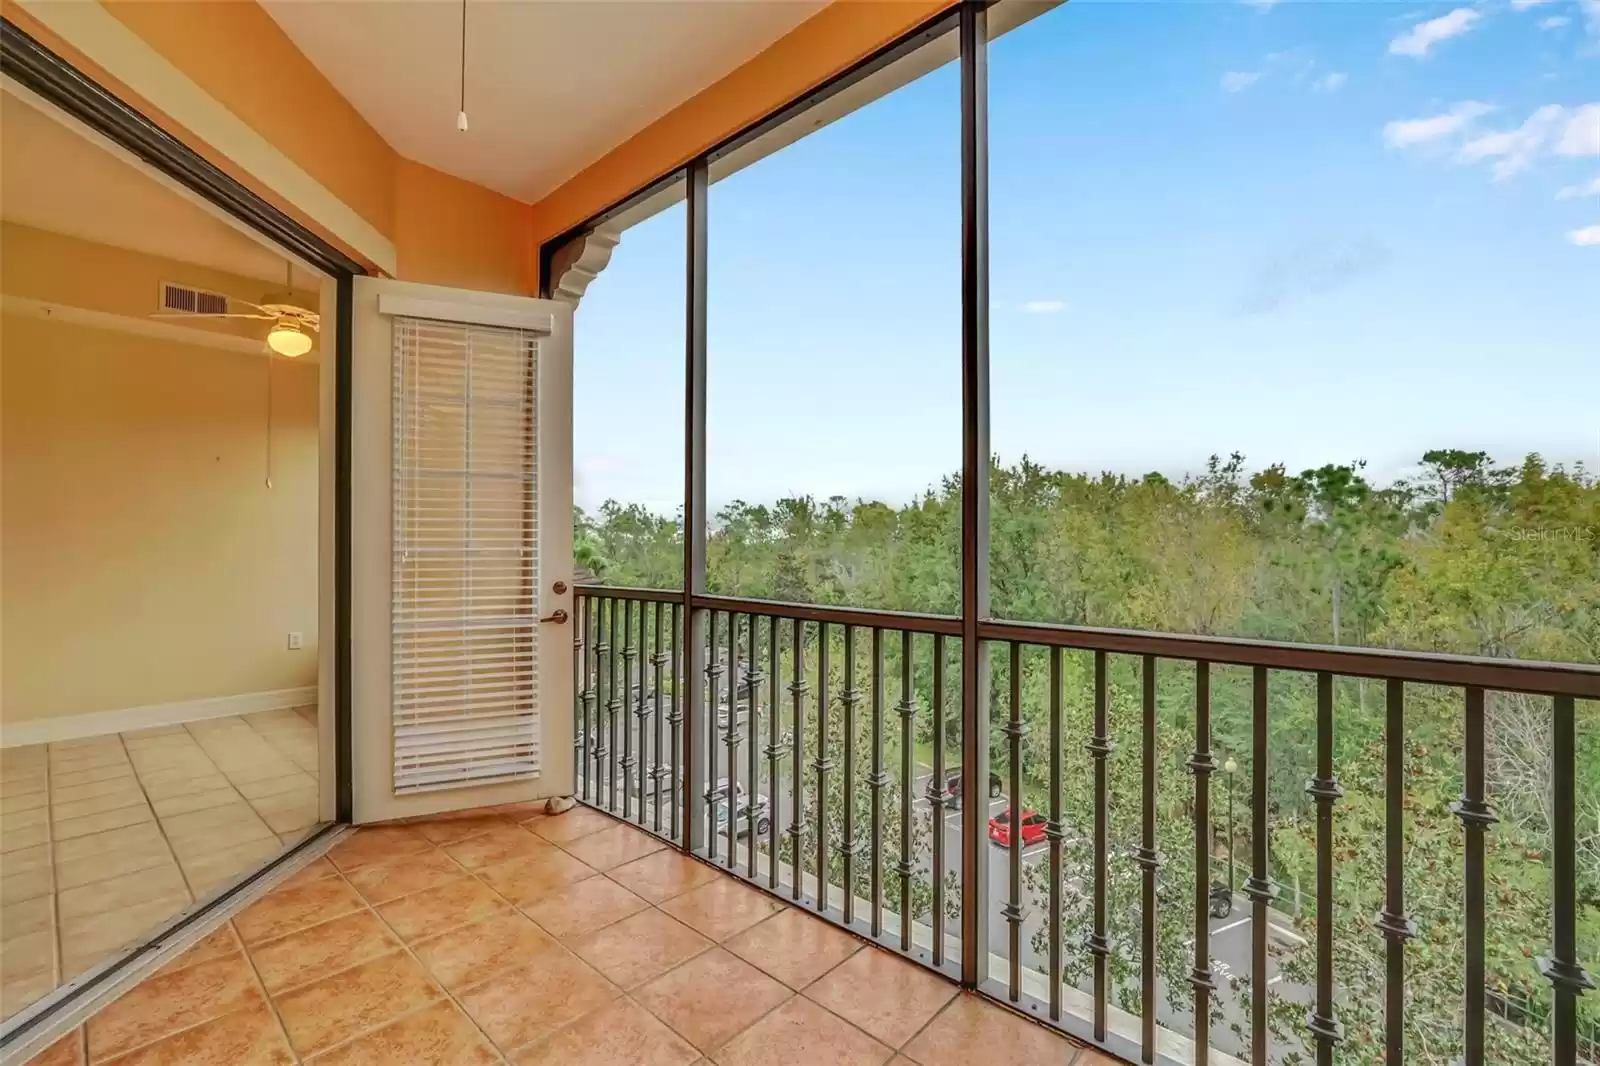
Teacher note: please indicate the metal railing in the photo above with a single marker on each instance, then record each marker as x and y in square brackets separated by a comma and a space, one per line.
[806, 784]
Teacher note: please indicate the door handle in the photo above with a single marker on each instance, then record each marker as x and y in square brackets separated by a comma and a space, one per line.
[559, 616]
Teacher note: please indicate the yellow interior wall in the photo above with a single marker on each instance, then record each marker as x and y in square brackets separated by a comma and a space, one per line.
[143, 559]
[67, 270]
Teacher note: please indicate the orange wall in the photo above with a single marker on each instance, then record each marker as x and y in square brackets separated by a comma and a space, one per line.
[831, 41]
[451, 232]
[445, 231]
[448, 231]
[238, 55]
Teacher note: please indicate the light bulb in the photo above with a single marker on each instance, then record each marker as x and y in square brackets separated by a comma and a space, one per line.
[288, 339]
[461, 121]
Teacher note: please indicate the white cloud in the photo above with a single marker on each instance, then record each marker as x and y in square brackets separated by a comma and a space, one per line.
[1523, 5]
[1403, 133]
[1554, 22]
[1044, 307]
[1514, 150]
[1237, 81]
[1424, 35]
[1575, 192]
[1331, 83]
[1582, 135]
[1591, 15]
[1587, 237]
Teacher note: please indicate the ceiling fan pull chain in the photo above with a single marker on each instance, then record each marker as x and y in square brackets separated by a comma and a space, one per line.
[270, 358]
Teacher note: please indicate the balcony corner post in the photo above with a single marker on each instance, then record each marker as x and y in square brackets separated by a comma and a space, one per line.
[975, 461]
[694, 513]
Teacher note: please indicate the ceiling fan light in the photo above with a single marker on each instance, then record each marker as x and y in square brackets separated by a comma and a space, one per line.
[288, 339]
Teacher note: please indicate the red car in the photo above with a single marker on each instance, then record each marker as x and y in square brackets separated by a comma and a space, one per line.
[1033, 824]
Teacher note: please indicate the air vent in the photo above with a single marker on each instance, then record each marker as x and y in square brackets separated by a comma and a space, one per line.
[185, 300]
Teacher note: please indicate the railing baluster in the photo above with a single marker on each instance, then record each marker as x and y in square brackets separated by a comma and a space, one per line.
[1100, 747]
[849, 697]
[908, 716]
[1054, 831]
[1476, 816]
[586, 740]
[730, 738]
[580, 685]
[876, 781]
[1392, 920]
[675, 720]
[752, 681]
[1202, 764]
[657, 661]
[1567, 979]
[714, 670]
[1259, 885]
[937, 798]
[797, 696]
[639, 710]
[1149, 861]
[773, 750]
[822, 766]
[629, 653]
[1325, 790]
[1012, 912]
[613, 705]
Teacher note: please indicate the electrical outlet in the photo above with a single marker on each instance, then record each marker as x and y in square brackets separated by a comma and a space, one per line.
[296, 641]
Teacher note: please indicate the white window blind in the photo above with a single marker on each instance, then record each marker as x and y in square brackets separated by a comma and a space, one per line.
[466, 564]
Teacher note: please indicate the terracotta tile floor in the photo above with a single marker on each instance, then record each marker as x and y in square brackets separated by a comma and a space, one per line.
[102, 839]
[508, 937]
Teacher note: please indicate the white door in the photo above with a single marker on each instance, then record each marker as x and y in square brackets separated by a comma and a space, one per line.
[461, 470]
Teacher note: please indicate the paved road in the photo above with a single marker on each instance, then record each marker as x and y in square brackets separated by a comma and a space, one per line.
[1230, 937]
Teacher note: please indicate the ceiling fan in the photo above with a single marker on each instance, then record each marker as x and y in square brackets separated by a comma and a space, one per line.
[291, 323]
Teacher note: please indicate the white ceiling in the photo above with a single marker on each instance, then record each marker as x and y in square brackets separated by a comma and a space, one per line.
[551, 86]
[53, 177]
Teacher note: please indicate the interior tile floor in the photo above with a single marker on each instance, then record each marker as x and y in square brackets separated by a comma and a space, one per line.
[102, 839]
[504, 936]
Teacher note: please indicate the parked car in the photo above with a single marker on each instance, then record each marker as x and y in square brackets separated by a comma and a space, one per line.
[1033, 824]
[952, 788]
[745, 810]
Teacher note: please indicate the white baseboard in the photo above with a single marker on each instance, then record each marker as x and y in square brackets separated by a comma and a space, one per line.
[99, 723]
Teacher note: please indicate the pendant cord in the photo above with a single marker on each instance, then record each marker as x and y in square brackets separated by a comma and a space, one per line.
[270, 359]
[288, 284]
[463, 57]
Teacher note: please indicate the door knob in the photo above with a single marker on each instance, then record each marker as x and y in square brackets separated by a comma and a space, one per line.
[559, 617]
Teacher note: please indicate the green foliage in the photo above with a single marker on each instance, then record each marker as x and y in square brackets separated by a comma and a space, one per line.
[1474, 559]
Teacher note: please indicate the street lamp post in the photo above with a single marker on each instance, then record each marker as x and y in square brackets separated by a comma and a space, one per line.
[1229, 767]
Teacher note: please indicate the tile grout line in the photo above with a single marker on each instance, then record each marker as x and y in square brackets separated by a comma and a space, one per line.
[261, 985]
[58, 960]
[269, 742]
[628, 994]
[84, 1027]
[506, 1055]
[233, 784]
[161, 826]
[622, 993]
[368, 906]
[556, 941]
[447, 994]
[794, 993]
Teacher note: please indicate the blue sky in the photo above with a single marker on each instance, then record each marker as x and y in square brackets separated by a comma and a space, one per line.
[1309, 232]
